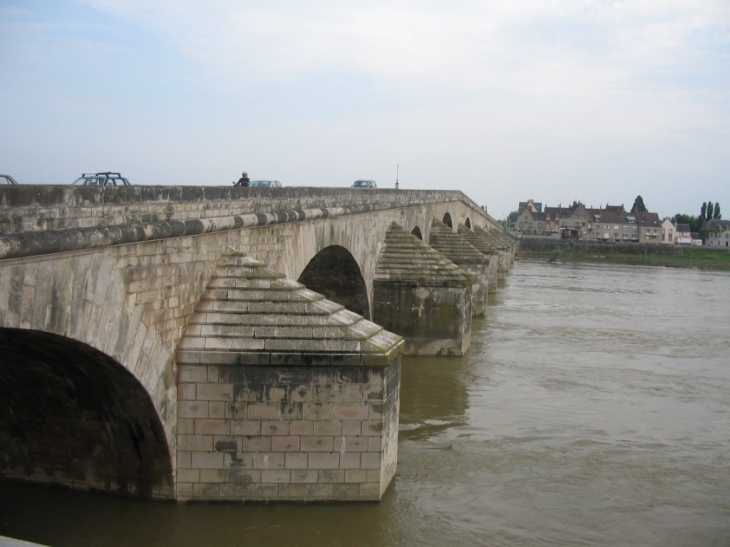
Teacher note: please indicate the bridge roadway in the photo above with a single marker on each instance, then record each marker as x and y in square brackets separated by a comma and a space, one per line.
[108, 375]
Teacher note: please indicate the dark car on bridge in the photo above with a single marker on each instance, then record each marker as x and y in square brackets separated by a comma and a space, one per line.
[7, 179]
[364, 184]
[107, 178]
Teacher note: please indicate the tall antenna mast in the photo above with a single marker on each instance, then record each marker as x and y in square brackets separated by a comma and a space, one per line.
[397, 166]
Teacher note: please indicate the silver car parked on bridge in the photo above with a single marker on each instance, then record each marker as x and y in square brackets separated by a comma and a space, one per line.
[101, 179]
[364, 184]
[264, 184]
[7, 179]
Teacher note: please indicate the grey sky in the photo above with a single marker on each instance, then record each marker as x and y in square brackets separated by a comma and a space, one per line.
[554, 100]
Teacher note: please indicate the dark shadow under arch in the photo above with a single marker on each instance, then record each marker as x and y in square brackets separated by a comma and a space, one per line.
[334, 273]
[447, 221]
[468, 223]
[71, 415]
[417, 232]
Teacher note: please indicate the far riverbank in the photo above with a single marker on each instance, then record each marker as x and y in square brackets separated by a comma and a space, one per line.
[673, 256]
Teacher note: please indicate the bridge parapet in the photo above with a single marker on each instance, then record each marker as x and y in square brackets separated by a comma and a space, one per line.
[31, 208]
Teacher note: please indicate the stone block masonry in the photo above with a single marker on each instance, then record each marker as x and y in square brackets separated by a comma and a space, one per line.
[283, 395]
[412, 276]
[304, 433]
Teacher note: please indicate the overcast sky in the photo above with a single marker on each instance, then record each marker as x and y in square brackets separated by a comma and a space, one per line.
[555, 100]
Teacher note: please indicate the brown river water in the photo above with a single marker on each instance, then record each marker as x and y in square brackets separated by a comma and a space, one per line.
[593, 409]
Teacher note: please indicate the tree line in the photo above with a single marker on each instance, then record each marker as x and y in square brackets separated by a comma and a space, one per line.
[708, 211]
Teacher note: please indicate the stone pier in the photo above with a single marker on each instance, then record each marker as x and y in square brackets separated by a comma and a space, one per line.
[503, 250]
[284, 395]
[457, 249]
[487, 250]
[421, 295]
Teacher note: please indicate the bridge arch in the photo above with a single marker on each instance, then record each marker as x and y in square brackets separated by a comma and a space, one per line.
[467, 223]
[447, 221]
[417, 232]
[334, 272]
[73, 416]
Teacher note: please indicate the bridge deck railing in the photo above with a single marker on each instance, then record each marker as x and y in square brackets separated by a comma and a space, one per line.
[37, 220]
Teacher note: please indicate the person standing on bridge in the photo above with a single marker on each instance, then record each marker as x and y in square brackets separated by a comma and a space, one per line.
[243, 181]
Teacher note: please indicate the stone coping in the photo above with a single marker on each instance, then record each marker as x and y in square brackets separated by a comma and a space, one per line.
[273, 359]
[252, 315]
[56, 241]
[46, 195]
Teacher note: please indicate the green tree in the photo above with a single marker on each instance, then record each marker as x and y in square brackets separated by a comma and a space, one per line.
[512, 218]
[639, 206]
[710, 210]
[693, 221]
[717, 214]
[703, 210]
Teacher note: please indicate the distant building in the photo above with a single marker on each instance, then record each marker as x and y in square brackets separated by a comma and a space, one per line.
[531, 221]
[536, 207]
[650, 227]
[667, 231]
[609, 223]
[614, 223]
[683, 235]
[717, 233]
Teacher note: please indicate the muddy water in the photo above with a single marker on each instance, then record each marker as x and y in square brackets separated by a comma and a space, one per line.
[592, 409]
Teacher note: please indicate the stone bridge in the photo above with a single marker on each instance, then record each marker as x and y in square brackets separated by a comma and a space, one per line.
[220, 343]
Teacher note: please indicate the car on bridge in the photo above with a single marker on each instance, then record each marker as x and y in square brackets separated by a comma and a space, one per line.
[364, 184]
[7, 179]
[107, 178]
[265, 184]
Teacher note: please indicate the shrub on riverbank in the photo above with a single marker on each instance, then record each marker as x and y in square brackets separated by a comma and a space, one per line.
[683, 257]
[708, 262]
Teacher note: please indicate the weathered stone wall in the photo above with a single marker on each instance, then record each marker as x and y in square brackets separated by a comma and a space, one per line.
[441, 324]
[132, 301]
[90, 425]
[493, 273]
[31, 208]
[287, 433]
[479, 287]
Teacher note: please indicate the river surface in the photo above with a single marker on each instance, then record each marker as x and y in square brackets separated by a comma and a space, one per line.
[593, 409]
